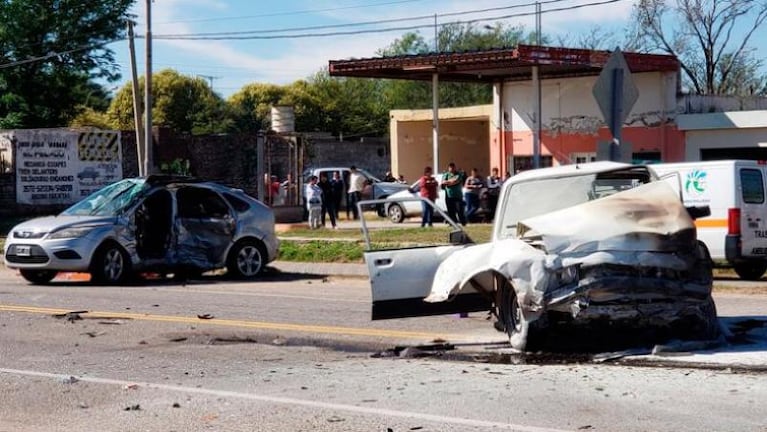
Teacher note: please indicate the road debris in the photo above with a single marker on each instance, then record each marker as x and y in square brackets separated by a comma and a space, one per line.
[176, 405]
[131, 387]
[93, 334]
[71, 316]
[69, 380]
[205, 316]
[135, 407]
[418, 351]
[335, 419]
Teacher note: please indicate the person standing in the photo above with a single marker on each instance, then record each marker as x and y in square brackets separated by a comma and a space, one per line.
[356, 186]
[427, 187]
[494, 183]
[328, 205]
[313, 195]
[453, 185]
[471, 189]
[336, 191]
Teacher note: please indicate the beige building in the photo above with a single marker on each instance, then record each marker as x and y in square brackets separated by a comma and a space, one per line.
[464, 134]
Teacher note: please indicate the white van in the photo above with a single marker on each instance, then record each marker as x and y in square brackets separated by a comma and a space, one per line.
[734, 190]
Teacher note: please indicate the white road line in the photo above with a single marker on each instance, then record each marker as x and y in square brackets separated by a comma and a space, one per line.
[294, 402]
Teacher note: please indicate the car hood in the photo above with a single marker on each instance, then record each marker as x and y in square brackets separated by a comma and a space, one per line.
[647, 218]
[627, 228]
[51, 223]
[390, 187]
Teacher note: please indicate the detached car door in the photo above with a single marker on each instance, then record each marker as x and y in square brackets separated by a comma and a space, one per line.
[401, 278]
[206, 227]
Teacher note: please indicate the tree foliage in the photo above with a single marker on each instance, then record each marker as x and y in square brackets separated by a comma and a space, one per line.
[51, 50]
[710, 37]
[183, 103]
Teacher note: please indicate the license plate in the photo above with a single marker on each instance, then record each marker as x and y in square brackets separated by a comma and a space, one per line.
[23, 250]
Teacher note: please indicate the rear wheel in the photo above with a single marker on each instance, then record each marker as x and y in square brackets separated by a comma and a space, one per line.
[111, 265]
[246, 259]
[750, 270]
[38, 276]
[396, 213]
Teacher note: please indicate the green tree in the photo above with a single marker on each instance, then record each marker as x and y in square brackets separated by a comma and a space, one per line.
[251, 105]
[58, 46]
[183, 103]
[711, 39]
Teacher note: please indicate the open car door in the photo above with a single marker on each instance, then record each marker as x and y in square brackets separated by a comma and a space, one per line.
[401, 278]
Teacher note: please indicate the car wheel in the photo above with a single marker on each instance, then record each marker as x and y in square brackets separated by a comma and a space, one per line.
[522, 334]
[396, 213]
[111, 265]
[246, 259]
[38, 276]
[751, 270]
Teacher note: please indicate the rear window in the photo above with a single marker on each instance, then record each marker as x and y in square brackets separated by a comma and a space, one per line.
[752, 186]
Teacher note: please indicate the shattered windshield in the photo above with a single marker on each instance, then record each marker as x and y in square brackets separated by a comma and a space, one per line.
[537, 197]
[107, 201]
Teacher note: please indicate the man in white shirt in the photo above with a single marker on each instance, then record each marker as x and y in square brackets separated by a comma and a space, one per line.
[356, 186]
[313, 195]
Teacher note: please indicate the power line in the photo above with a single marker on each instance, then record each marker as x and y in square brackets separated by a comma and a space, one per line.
[380, 30]
[298, 12]
[364, 23]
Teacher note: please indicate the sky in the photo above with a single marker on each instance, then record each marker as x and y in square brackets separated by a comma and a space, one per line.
[228, 65]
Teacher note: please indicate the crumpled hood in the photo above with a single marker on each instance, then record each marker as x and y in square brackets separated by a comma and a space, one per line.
[650, 217]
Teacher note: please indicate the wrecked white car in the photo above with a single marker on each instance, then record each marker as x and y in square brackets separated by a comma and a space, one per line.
[601, 242]
[161, 223]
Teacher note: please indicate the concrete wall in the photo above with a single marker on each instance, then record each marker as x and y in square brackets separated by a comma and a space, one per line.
[463, 139]
[572, 121]
[370, 153]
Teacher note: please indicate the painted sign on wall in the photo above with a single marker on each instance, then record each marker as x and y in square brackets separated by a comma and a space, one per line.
[63, 166]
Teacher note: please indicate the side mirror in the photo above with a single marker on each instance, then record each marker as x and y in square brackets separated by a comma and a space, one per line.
[697, 212]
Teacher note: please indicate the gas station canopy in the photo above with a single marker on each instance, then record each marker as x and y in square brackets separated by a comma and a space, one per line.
[502, 64]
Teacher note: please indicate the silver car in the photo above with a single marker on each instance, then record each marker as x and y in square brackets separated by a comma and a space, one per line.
[167, 224]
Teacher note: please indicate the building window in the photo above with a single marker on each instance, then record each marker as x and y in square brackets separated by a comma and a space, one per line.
[524, 163]
[583, 157]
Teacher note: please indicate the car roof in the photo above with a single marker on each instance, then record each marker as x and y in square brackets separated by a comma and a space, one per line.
[564, 170]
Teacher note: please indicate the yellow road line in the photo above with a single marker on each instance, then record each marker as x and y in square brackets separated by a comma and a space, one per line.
[305, 328]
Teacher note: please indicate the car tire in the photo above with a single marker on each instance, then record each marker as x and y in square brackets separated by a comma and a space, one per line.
[246, 260]
[39, 277]
[523, 335]
[110, 265]
[396, 213]
[751, 271]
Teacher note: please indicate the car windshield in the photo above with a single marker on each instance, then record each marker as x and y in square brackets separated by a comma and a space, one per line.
[537, 197]
[107, 201]
[369, 176]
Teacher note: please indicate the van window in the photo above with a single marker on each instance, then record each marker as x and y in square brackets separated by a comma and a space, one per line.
[752, 186]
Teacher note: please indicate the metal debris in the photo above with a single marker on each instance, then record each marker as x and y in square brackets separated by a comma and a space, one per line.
[205, 316]
[71, 316]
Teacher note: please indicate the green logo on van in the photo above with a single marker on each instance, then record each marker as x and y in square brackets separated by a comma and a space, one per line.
[695, 182]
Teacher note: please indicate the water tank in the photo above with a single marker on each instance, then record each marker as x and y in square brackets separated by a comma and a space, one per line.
[283, 119]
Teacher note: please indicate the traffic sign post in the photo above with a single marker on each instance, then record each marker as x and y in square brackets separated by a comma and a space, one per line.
[615, 93]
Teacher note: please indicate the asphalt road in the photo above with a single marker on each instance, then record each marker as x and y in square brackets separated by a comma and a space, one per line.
[293, 354]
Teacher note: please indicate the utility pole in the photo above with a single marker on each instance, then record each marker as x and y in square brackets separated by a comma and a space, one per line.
[537, 93]
[136, 102]
[148, 143]
[209, 78]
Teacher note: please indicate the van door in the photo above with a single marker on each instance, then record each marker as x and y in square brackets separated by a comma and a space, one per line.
[753, 223]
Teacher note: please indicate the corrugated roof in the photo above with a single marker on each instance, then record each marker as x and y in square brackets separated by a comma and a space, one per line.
[508, 64]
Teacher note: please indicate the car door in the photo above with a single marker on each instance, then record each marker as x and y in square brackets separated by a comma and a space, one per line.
[753, 218]
[401, 278]
[206, 227]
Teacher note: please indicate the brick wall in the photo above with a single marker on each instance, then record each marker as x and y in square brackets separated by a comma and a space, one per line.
[228, 159]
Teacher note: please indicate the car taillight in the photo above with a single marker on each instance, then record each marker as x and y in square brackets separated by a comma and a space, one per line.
[733, 221]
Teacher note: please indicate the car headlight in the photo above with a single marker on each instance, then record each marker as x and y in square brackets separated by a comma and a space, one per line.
[567, 275]
[71, 232]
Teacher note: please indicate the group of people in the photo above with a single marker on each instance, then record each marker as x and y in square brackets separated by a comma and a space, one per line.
[462, 193]
[323, 197]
